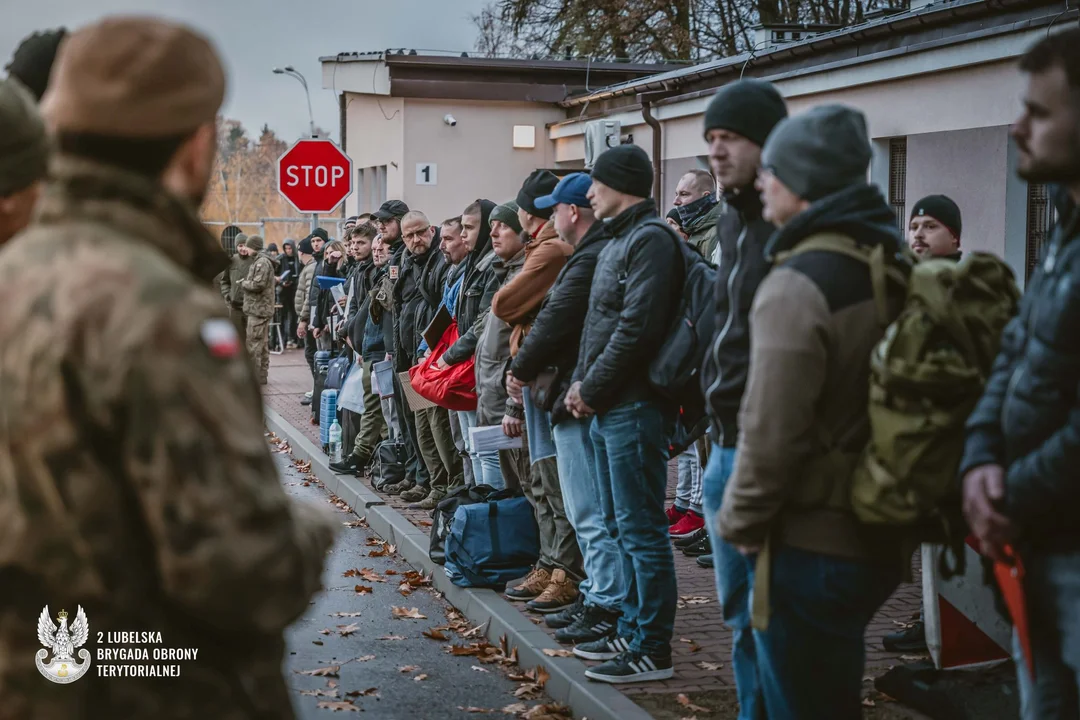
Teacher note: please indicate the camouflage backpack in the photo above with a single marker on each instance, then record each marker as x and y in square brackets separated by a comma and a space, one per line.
[926, 375]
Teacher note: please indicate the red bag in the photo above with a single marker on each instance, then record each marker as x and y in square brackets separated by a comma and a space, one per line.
[453, 388]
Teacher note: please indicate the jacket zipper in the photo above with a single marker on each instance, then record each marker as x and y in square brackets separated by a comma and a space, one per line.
[728, 322]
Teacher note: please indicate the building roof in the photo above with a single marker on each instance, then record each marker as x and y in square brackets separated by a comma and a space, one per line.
[451, 75]
[943, 21]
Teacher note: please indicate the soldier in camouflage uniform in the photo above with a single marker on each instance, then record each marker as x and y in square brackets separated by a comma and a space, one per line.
[230, 283]
[135, 480]
[258, 289]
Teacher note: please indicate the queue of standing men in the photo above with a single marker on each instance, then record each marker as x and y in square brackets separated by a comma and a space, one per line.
[137, 482]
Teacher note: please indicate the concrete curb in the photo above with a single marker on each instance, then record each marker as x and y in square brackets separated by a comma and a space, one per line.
[567, 683]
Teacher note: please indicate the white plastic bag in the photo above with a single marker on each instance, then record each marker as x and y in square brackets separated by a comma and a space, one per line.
[351, 395]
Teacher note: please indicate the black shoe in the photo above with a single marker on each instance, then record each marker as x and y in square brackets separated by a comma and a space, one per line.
[913, 639]
[605, 648]
[594, 624]
[705, 561]
[632, 667]
[696, 537]
[701, 547]
[566, 618]
[305, 401]
[349, 466]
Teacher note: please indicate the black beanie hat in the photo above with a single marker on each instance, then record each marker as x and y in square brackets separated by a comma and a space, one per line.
[319, 232]
[305, 247]
[941, 208]
[537, 185]
[626, 169]
[751, 108]
[673, 214]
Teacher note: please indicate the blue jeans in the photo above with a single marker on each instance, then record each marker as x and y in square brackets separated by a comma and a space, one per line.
[630, 447]
[486, 470]
[591, 511]
[732, 587]
[538, 429]
[1052, 586]
[810, 660]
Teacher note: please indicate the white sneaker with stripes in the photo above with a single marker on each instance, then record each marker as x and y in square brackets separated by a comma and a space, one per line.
[605, 648]
[631, 668]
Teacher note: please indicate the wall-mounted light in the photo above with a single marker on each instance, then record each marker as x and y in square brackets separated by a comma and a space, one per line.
[525, 136]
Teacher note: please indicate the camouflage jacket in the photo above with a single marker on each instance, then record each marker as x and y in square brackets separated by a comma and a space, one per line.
[258, 288]
[135, 480]
[229, 281]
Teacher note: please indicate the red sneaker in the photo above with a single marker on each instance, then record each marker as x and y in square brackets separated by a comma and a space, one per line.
[691, 523]
[674, 515]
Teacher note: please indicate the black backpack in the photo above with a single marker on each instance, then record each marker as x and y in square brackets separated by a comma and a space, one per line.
[675, 370]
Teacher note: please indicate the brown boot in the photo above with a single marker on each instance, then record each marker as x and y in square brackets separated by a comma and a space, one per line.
[560, 593]
[531, 587]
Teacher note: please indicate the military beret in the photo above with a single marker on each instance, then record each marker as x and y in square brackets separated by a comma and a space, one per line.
[24, 147]
[134, 77]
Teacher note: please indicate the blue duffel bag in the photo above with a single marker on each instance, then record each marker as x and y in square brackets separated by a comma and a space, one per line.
[492, 543]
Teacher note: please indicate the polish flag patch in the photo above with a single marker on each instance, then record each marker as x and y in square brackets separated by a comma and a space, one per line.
[221, 338]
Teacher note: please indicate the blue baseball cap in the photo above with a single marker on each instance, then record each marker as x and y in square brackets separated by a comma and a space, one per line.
[571, 190]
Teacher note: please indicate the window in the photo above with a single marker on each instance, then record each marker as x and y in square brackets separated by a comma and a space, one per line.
[898, 181]
[1040, 220]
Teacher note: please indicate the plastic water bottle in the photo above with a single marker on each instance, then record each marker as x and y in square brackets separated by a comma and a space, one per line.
[335, 442]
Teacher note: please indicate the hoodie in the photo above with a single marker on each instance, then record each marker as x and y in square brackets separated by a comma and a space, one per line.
[477, 292]
[813, 326]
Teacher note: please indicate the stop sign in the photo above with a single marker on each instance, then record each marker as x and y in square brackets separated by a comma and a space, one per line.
[315, 176]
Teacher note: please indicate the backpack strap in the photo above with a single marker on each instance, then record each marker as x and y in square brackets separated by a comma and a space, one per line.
[874, 257]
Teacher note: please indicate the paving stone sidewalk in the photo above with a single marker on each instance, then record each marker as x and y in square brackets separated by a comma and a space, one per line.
[700, 636]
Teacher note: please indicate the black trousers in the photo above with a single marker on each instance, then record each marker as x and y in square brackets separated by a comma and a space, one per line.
[288, 315]
[309, 353]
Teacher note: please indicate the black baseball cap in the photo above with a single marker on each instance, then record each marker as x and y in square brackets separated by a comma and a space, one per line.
[391, 209]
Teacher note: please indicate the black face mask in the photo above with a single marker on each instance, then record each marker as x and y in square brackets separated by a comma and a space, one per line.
[692, 211]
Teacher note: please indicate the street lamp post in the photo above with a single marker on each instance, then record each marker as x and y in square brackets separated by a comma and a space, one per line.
[293, 72]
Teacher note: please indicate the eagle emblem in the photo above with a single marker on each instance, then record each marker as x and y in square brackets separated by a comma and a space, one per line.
[61, 642]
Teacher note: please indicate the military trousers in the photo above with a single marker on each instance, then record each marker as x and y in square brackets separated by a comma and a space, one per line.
[372, 424]
[258, 345]
[436, 444]
[239, 319]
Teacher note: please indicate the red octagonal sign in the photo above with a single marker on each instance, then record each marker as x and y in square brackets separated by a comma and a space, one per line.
[315, 176]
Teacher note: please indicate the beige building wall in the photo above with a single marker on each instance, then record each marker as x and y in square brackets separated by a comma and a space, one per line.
[474, 159]
[374, 138]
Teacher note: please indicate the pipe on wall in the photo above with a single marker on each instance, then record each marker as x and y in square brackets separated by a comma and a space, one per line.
[657, 151]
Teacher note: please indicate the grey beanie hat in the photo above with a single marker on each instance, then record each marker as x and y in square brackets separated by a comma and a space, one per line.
[819, 152]
[507, 213]
[24, 146]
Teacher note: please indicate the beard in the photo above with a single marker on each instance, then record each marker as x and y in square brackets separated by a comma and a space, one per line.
[1062, 166]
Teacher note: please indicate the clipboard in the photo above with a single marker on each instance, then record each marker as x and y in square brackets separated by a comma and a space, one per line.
[437, 327]
[415, 400]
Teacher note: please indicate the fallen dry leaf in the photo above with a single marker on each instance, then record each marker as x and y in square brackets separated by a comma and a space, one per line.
[359, 523]
[553, 711]
[392, 637]
[709, 666]
[331, 683]
[363, 589]
[325, 631]
[364, 658]
[515, 708]
[371, 576]
[316, 642]
[353, 572]
[914, 658]
[435, 635]
[475, 630]
[337, 706]
[370, 692]
[477, 668]
[683, 700]
[557, 653]
[474, 710]
[420, 677]
[347, 630]
[412, 613]
[345, 614]
[425, 523]
[390, 572]
[408, 668]
[328, 671]
[320, 693]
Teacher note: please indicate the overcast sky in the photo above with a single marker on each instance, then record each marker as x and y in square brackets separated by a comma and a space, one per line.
[255, 36]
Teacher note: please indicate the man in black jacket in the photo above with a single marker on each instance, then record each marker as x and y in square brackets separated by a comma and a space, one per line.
[546, 361]
[473, 305]
[737, 121]
[417, 295]
[1019, 471]
[290, 273]
[634, 297]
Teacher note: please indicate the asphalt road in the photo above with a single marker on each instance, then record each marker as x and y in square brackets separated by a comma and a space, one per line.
[413, 677]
